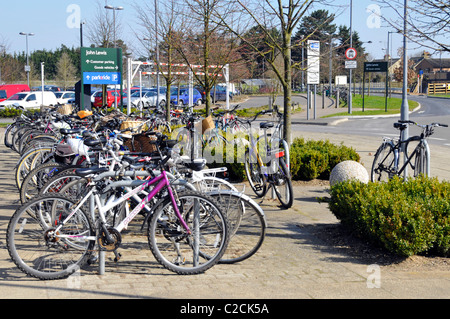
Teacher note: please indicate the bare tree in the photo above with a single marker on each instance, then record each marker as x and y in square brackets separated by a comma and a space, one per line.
[207, 43]
[267, 15]
[100, 31]
[428, 23]
[166, 24]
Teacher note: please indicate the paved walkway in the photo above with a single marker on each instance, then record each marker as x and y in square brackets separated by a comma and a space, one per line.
[305, 256]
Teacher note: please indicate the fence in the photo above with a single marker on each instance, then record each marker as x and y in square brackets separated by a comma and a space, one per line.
[439, 88]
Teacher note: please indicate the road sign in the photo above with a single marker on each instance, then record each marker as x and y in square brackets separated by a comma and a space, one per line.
[101, 66]
[101, 60]
[351, 53]
[101, 77]
[313, 70]
[351, 64]
[375, 66]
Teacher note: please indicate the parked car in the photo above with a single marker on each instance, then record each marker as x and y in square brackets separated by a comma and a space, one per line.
[8, 90]
[184, 97]
[29, 100]
[64, 97]
[219, 94]
[147, 99]
[52, 88]
[110, 99]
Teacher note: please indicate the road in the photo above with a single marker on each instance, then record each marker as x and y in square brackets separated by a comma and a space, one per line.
[431, 110]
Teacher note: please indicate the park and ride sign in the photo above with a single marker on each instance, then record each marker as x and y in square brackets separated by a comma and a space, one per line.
[101, 66]
[101, 59]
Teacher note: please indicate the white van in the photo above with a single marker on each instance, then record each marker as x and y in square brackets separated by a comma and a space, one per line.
[30, 100]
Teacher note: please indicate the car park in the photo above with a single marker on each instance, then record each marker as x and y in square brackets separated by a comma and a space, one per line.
[110, 100]
[147, 99]
[64, 97]
[183, 98]
[8, 90]
[29, 100]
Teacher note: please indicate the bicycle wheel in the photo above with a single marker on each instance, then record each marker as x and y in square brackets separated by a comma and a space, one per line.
[283, 184]
[28, 161]
[40, 252]
[247, 224]
[10, 131]
[36, 179]
[383, 166]
[57, 182]
[185, 253]
[421, 161]
[256, 178]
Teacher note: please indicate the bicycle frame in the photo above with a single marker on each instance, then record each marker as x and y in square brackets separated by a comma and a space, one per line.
[398, 150]
[162, 181]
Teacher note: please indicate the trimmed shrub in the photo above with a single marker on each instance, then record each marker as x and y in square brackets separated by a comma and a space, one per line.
[406, 218]
[316, 159]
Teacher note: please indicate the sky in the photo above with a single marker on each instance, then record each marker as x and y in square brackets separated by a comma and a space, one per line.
[54, 22]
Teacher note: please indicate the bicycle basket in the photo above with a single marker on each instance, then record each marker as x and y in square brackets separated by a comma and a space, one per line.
[65, 109]
[207, 123]
[135, 127]
[141, 143]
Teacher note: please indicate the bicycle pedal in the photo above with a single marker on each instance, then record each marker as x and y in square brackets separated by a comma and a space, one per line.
[258, 187]
[118, 256]
[92, 260]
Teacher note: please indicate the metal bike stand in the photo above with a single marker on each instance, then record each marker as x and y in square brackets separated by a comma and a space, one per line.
[101, 253]
[101, 262]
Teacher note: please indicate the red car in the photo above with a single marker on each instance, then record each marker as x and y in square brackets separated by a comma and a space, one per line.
[110, 100]
[8, 90]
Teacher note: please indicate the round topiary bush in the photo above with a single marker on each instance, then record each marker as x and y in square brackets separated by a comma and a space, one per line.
[348, 170]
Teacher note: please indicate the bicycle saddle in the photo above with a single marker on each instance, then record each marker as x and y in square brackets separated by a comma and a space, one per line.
[264, 125]
[400, 126]
[83, 172]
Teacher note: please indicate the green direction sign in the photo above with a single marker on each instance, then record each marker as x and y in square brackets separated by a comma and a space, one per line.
[101, 60]
[375, 66]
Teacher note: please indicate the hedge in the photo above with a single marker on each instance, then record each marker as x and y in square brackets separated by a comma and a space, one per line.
[406, 218]
[316, 159]
[308, 160]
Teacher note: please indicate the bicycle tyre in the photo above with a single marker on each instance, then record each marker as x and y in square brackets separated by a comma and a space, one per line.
[421, 161]
[383, 166]
[247, 224]
[36, 179]
[10, 131]
[203, 247]
[32, 247]
[27, 161]
[283, 178]
[255, 177]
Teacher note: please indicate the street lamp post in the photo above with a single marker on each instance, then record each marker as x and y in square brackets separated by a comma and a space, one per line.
[81, 33]
[115, 43]
[27, 67]
[351, 45]
[157, 57]
[404, 115]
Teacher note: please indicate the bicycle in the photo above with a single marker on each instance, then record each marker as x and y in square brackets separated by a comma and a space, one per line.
[51, 237]
[266, 162]
[387, 163]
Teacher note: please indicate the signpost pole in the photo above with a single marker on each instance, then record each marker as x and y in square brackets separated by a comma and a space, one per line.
[363, 88]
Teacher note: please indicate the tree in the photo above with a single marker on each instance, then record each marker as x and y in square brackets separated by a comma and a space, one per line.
[266, 15]
[65, 70]
[207, 42]
[398, 72]
[169, 23]
[428, 21]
